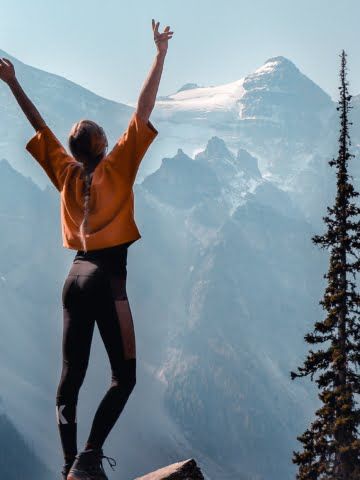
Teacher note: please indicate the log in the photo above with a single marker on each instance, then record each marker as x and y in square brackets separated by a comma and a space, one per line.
[185, 470]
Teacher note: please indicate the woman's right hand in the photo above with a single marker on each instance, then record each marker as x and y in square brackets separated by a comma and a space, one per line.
[7, 70]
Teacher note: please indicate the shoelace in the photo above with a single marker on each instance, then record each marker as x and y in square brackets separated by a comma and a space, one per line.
[108, 459]
[95, 467]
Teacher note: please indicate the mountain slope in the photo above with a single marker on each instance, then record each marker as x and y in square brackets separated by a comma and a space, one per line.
[17, 459]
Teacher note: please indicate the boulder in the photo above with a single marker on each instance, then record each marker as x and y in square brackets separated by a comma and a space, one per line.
[185, 470]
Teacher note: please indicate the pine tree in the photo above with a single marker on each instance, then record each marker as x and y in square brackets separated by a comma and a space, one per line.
[331, 445]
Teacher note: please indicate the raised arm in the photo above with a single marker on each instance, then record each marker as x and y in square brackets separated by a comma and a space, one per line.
[132, 145]
[44, 146]
[7, 74]
[149, 90]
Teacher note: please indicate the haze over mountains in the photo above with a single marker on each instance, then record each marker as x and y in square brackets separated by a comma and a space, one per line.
[223, 284]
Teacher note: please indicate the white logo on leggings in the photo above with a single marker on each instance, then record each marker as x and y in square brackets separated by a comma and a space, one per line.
[60, 416]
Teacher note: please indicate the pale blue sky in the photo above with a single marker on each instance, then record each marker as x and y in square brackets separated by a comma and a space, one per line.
[107, 46]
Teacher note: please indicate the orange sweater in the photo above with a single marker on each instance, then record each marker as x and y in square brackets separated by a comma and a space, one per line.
[111, 219]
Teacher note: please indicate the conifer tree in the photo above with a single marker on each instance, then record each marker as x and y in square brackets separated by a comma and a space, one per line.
[331, 445]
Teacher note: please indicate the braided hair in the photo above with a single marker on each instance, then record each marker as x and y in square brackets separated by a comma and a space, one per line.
[87, 143]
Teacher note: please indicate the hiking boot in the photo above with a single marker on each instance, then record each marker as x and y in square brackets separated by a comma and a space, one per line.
[88, 466]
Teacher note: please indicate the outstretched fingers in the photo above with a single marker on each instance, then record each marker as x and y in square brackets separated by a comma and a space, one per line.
[165, 34]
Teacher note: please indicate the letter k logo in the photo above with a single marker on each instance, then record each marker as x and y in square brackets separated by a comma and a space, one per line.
[59, 414]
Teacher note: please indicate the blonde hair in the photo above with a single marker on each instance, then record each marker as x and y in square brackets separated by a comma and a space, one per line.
[87, 143]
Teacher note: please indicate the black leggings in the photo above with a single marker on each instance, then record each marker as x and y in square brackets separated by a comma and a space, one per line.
[92, 293]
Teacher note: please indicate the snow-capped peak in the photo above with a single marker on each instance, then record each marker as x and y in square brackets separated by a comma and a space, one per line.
[229, 101]
[275, 63]
[203, 98]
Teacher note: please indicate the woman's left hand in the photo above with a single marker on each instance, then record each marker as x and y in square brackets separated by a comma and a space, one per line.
[161, 39]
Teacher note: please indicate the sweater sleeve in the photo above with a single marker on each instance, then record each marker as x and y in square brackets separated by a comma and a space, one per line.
[131, 147]
[51, 155]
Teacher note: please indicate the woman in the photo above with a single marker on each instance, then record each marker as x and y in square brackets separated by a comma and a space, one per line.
[97, 216]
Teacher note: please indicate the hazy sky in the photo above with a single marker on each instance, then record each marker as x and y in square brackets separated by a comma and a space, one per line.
[107, 46]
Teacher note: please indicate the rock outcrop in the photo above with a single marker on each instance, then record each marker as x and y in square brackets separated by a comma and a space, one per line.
[185, 470]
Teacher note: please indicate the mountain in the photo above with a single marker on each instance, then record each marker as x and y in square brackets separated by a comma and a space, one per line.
[276, 113]
[237, 174]
[227, 370]
[223, 285]
[247, 163]
[181, 182]
[241, 278]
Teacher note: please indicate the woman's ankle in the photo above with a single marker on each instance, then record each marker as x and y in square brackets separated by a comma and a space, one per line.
[69, 459]
[91, 446]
